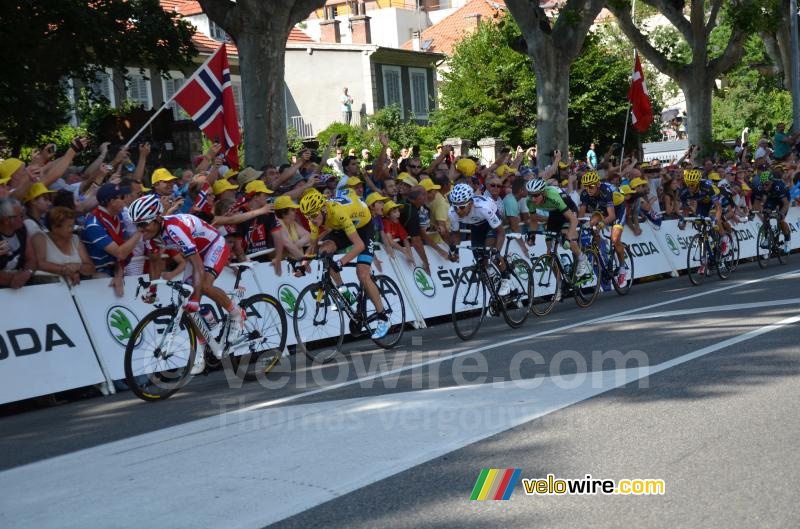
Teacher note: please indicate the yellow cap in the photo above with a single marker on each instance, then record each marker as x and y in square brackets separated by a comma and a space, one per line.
[161, 175]
[389, 206]
[257, 186]
[407, 179]
[626, 189]
[466, 166]
[146, 189]
[353, 181]
[37, 189]
[562, 165]
[636, 182]
[503, 171]
[8, 167]
[428, 184]
[565, 182]
[285, 202]
[222, 185]
[714, 177]
[375, 197]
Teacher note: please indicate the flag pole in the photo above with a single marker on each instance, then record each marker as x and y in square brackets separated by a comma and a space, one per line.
[168, 101]
[628, 115]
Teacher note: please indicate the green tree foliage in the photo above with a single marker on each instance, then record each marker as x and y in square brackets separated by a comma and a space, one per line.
[490, 90]
[55, 40]
[752, 96]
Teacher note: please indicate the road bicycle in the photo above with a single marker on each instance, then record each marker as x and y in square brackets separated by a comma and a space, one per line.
[705, 252]
[477, 287]
[321, 307]
[609, 262]
[555, 276]
[770, 240]
[160, 353]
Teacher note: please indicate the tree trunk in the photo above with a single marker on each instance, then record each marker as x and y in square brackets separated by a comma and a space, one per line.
[698, 90]
[552, 105]
[262, 61]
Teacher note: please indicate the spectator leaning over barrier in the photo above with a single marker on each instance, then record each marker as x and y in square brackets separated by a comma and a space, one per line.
[438, 207]
[516, 207]
[37, 203]
[409, 219]
[295, 237]
[17, 258]
[259, 233]
[394, 235]
[61, 252]
[104, 235]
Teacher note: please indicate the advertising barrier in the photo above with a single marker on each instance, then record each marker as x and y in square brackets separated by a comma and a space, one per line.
[43, 344]
[50, 341]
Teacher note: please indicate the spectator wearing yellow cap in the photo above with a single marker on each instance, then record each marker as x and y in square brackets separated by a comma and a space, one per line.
[394, 235]
[162, 182]
[257, 234]
[15, 175]
[223, 189]
[438, 207]
[37, 203]
[294, 237]
[404, 184]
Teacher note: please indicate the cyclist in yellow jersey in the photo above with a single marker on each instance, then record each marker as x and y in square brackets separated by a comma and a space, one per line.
[350, 224]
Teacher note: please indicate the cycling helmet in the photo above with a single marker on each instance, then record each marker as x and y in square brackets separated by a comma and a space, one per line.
[764, 176]
[145, 209]
[724, 184]
[461, 194]
[590, 178]
[312, 203]
[692, 176]
[536, 185]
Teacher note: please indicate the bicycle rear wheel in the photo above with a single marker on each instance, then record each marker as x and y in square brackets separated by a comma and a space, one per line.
[393, 306]
[764, 245]
[265, 328]
[697, 260]
[625, 287]
[318, 318]
[159, 354]
[588, 288]
[469, 303]
[724, 260]
[515, 304]
[545, 285]
[780, 239]
[735, 249]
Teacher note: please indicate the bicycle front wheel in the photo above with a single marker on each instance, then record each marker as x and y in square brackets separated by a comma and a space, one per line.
[780, 239]
[469, 303]
[735, 249]
[159, 354]
[545, 285]
[318, 321]
[394, 308]
[764, 245]
[588, 288]
[265, 328]
[697, 260]
[515, 304]
[724, 260]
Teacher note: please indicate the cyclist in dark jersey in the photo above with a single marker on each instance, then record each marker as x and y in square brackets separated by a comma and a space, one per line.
[705, 196]
[771, 194]
[597, 198]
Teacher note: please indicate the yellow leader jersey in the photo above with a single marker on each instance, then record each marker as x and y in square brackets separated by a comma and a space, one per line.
[344, 213]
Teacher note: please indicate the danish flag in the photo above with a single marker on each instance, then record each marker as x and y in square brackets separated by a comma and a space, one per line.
[208, 98]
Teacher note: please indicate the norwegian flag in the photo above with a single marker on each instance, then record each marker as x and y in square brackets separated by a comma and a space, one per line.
[641, 109]
[208, 98]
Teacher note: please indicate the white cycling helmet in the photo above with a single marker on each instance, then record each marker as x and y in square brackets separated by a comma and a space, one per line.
[461, 194]
[145, 209]
[724, 184]
[536, 185]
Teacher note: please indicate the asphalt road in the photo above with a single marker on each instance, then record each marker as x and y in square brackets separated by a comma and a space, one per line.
[695, 386]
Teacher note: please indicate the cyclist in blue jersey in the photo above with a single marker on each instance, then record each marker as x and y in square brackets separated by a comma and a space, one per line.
[773, 195]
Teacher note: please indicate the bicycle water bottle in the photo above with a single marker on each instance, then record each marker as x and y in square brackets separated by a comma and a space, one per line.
[566, 264]
[347, 295]
[208, 315]
[586, 238]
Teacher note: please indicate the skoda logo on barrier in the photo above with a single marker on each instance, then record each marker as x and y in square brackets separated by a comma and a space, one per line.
[288, 296]
[120, 322]
[424, 282]
[673, 246]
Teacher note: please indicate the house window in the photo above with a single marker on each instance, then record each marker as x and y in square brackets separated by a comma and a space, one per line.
[138, 88]
[392, 91]
[171, 86]
[217, 33]
[419, 92]
[102, 86]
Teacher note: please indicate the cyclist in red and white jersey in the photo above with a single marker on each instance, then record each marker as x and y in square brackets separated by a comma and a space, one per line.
[201, 245]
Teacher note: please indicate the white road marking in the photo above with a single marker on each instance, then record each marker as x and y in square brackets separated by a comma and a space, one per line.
[713, 308]
[247, 470]
[444, 358]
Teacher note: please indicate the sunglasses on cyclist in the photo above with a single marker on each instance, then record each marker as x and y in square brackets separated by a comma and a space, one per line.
[535, 195]
[142, 225]
[590, 186]
[462, 206]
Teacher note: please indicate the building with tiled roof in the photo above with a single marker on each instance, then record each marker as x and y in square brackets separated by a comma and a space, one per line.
[444, 35]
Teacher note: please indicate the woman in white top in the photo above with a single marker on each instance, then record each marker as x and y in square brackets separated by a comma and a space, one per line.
[60, 251]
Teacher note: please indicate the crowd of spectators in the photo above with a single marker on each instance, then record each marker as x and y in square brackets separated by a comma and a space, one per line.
[70, 221]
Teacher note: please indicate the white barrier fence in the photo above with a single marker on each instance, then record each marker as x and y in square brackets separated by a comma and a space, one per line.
[53, 339]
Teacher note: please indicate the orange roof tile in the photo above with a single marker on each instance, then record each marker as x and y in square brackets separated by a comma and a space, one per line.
[206, 44]
[449, 31]
[170, 5]
[188, 8]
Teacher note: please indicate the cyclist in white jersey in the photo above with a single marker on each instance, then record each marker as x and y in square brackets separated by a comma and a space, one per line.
[480, 214]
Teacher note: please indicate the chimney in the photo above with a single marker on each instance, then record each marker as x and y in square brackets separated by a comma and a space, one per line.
[359, 27]
[330, 31]
[415, 40]
[472, 21]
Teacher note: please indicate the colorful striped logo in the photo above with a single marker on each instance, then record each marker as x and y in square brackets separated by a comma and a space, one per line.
[495, 484]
